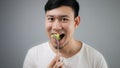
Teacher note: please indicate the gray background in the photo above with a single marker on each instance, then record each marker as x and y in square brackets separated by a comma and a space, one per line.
[22, 26]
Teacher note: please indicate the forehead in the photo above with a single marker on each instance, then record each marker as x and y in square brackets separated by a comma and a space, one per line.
[61, 11]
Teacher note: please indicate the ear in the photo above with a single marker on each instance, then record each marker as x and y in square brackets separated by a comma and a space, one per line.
[77, 21]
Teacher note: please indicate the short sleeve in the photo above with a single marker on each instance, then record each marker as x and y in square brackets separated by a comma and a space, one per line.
[102, 63]
[29, 60]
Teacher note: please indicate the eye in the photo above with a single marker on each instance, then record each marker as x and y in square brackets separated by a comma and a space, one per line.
[64, 20]
[50, 19]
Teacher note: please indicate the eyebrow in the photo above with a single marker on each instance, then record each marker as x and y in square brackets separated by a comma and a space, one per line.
[58, 16]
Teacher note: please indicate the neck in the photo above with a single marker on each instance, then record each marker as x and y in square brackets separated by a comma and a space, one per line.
[71, 49]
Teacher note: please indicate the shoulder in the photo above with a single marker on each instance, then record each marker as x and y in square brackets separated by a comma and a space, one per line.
[38, 48]
[91, 51]
[94, 56]
[35, 55]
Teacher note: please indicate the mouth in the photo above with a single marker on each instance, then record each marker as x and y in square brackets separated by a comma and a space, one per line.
[61, 36]
[58, 37]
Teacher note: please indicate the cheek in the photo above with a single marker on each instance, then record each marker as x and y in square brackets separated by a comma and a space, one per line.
[70, 29]
[47, 27]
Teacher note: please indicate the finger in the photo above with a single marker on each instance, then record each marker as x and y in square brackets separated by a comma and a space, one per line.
[61, 65]
[54, 61]
[58, 65]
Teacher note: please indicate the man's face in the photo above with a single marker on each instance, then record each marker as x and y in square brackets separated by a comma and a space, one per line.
[60, 21]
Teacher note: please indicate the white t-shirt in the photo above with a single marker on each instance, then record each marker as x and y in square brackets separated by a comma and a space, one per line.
[40, 57]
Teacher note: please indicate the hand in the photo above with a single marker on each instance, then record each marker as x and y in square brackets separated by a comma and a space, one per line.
[56, 63]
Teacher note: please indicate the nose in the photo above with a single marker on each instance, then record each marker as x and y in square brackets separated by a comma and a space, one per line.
[56, 25]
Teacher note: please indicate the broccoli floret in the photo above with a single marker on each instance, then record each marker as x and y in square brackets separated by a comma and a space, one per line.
[56, 36]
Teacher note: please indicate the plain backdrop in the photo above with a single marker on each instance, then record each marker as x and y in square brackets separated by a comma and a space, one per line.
[22, 27]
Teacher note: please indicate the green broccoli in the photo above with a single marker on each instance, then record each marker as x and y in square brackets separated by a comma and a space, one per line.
[56, 36]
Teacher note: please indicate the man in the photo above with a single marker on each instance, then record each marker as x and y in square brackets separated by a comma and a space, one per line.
[62, 19]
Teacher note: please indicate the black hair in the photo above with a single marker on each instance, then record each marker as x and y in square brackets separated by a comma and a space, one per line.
[52, 4]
